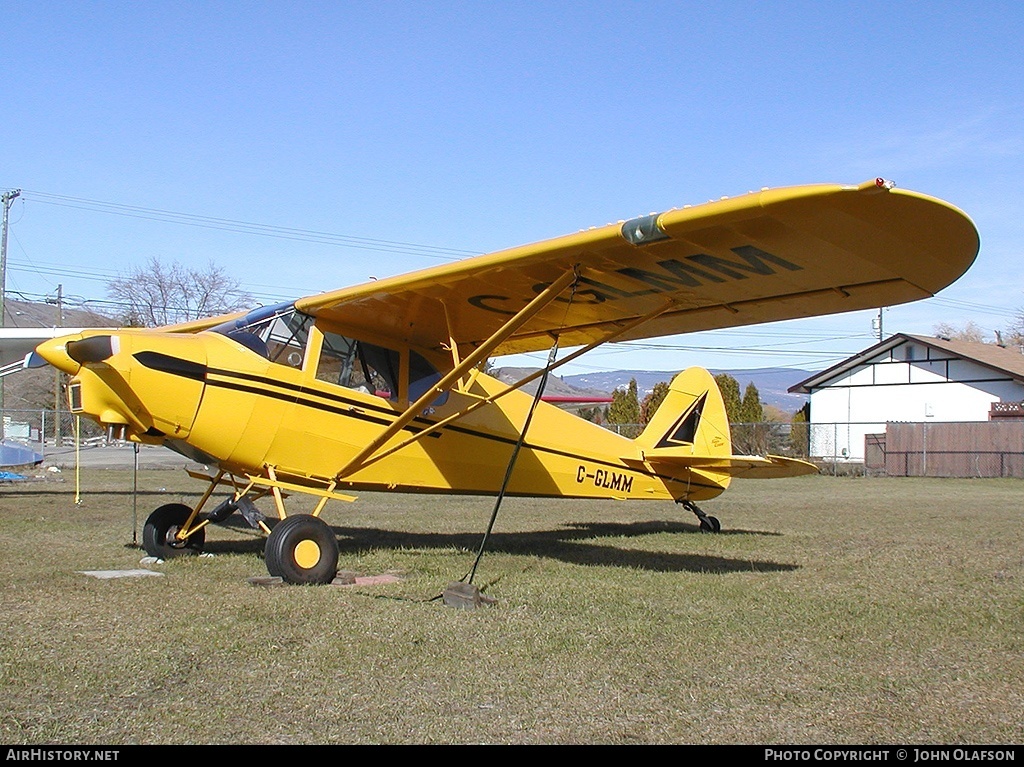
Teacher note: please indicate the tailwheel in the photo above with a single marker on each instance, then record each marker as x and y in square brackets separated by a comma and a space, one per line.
[302, 549]
[159, 535]
[708, 524]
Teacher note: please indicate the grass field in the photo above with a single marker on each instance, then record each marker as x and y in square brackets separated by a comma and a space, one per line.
[829, 610]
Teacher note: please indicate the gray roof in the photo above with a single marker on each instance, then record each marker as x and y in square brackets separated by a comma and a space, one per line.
[1007, 360]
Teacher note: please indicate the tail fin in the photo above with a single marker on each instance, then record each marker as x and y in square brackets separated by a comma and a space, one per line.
[691, 418]
[691, 430]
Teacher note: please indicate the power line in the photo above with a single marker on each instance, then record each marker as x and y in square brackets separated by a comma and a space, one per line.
[626, 345]
[248, 227]
[100, 275]
[988, 309]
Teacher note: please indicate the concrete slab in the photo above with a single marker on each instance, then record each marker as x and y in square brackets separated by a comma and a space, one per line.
[108, 574]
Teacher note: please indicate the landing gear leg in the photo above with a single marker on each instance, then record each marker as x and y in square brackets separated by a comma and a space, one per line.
[708, 524]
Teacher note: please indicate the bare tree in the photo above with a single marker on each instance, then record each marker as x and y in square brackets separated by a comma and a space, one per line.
[1015, 331]
[158, 294]
[969, 332]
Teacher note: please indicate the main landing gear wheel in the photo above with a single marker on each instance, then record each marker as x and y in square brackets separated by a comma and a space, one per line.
[160, 531]
[302, 549]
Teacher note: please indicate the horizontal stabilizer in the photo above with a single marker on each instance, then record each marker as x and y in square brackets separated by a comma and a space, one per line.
[745, 466]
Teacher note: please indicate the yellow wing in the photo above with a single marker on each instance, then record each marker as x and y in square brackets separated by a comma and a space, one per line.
[772, 255]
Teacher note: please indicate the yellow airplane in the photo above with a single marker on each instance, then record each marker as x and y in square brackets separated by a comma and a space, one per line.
[382, 385]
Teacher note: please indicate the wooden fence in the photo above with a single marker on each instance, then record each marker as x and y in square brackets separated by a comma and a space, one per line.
[980, 449]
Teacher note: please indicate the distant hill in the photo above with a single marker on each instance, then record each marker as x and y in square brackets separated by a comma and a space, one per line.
[34, 389]
[30, 314]
[556, 385]
[772, 383]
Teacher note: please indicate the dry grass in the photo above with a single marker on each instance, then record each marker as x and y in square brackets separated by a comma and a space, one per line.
[829, 610]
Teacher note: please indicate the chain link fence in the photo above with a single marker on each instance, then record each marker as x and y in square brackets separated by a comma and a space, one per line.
[896, 449]
[28, 435]
[786, 439]
[932, 449]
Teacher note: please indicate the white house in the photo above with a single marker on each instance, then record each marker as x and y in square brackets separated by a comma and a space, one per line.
[908, 378]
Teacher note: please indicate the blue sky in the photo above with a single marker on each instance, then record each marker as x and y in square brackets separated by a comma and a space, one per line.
[464, 128]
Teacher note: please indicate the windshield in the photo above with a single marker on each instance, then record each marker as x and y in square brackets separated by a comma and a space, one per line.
[277, 333]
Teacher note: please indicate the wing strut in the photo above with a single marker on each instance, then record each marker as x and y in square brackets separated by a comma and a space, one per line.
[512, 460]
[478, 355]
[519, 384]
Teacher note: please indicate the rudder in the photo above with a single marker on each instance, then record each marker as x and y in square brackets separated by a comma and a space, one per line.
[692, 416]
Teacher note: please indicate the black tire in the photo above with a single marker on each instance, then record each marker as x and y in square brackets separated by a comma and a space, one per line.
[302, 549]
[163, 524]
[710, 525]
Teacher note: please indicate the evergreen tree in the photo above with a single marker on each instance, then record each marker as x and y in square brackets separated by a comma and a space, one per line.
[625, 407]
[799, 434]
[751, 410]
[731, 394]
[653, 401]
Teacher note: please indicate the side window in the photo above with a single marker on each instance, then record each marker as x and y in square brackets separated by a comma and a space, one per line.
[336, 356]
[358, 365]
[423, 375]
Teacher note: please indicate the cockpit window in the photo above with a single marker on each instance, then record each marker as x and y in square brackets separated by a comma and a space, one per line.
[423, 375]
[278, 333]
[359, 365]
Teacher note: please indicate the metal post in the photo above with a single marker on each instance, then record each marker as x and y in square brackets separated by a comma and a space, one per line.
[835, 450]
[56, 372]
[924, 444]
[135, 495]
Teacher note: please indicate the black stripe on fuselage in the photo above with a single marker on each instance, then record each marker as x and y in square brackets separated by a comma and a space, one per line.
[299, 394]
[165, 363]
[349, 412]
[322, 406]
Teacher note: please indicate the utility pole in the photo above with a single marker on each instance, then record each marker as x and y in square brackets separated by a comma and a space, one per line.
[7, 198]
[876, 324]
[57, 374]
